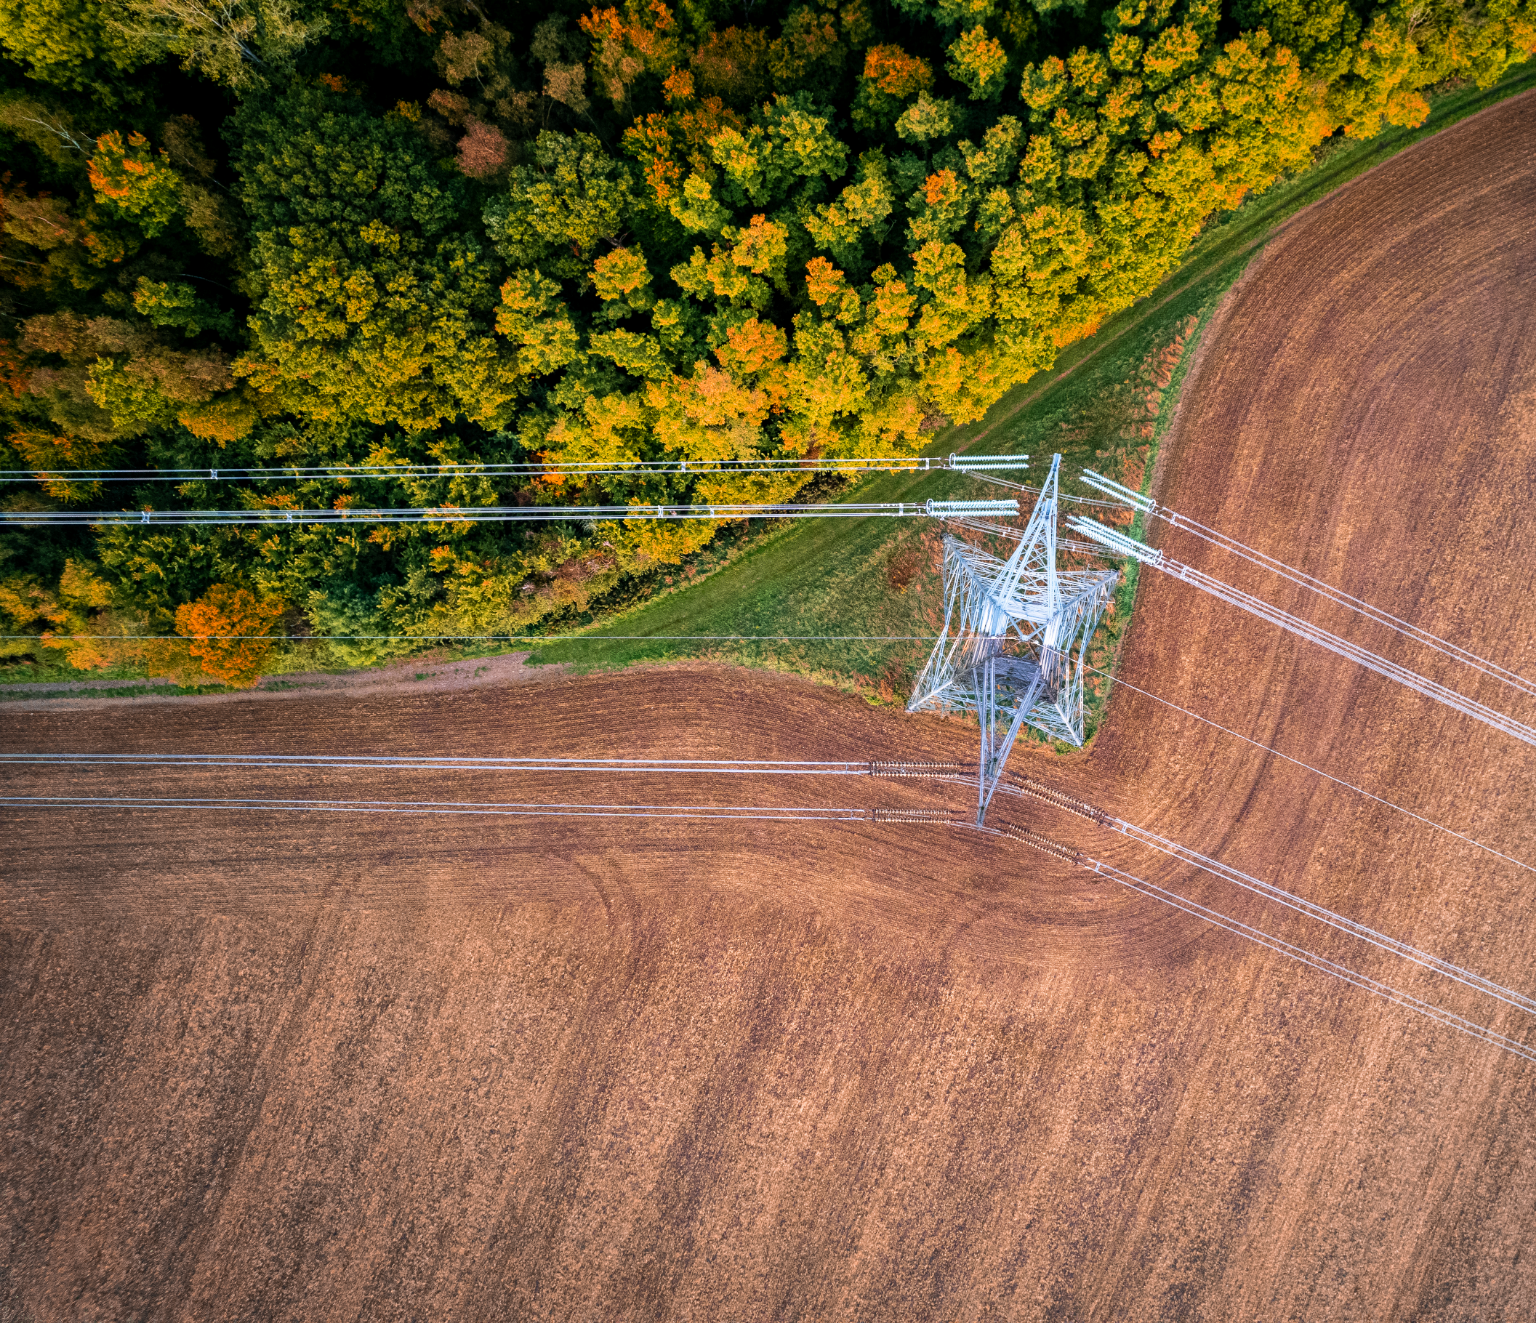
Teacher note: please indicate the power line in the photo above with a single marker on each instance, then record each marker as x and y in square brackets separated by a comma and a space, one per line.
[495, 514]
[595, 469]
[1303, 628]
[1037, 491]
[812, 813]
[834, 638]
[873, 638]
[1299, 577]
[346, 762]
[1321, 963]
[1017, 534]
[892, 638]
[1327, 776]
[1302, 955]
[448, 807]
[475, 808]
[1144, 836]
[886, 769]
[947, 771]
[1334, 920]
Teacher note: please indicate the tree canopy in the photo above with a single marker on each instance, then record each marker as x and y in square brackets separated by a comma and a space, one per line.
[418, 231]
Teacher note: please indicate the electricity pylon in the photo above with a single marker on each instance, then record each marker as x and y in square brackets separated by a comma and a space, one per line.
[1014, 638]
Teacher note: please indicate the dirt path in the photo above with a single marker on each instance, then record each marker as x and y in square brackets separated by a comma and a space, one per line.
[261, 1066]
[416, 675]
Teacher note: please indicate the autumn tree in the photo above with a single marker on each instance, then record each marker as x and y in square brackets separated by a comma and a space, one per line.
[561, 208]
[809, 53]
[235, 42]
[127, 175]
[650, 230]
[641, 38]
[889, 80]
[228, 632]
[980, 62]
[117, 378]
[59, 622]
[66, 42]
[373, 298]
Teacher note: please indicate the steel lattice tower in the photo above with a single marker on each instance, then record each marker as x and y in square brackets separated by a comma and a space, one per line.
[1013, 642]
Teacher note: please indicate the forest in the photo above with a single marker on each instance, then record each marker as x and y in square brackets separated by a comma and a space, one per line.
[261, 233]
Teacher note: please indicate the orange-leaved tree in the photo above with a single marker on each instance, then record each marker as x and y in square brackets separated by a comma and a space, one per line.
[229, 630]
[126, 175]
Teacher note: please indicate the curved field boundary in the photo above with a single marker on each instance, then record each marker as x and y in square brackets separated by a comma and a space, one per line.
[1273, 212]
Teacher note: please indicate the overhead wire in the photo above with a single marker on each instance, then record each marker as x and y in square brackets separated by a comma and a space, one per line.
[1321, 963]
[830, 813]
[1027, 787]
[808, 768]
[799, 813]
[1065, 496]
[1334, 643]
[1321, 914]
[1316, 771]
[899, 638]
[1329, 592]
[814, 813]
[349, 762]
[1299, 904]
[554, 468]
[737, 812]
[1340, 598]
[1112, 677]
[280, 517]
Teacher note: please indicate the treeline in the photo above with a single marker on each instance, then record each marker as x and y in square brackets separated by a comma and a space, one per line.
[254, 232]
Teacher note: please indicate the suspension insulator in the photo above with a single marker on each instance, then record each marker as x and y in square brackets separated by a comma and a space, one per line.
[943, 817]
[903, 769]
[1042, 843]
[1060, 799]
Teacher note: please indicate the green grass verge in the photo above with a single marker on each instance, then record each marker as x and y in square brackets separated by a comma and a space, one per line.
[15, 694]
[29, 672]
[817, 578]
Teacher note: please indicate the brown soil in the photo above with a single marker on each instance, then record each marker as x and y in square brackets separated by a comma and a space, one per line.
[306, 1066]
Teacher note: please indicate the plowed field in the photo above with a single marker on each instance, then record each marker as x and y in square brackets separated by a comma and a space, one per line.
[272, 1066]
